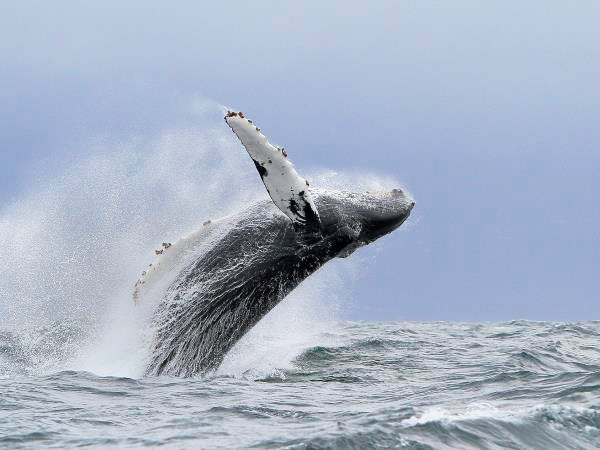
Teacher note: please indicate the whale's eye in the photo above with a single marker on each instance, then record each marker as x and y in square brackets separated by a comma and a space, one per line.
[356, 227]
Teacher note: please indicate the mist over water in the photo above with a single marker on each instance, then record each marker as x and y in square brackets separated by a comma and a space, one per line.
[77, 240]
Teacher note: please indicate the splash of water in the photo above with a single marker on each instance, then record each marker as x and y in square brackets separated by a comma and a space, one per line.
[75, 243]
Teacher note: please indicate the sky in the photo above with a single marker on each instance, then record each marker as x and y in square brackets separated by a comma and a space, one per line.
[486, 111]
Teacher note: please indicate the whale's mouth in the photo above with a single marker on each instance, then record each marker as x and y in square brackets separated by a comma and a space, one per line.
[384, 212]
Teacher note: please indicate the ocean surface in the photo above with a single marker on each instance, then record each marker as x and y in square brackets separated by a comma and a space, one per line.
[360, 385]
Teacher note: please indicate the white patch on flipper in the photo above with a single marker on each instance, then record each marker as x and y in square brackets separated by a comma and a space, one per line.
[288, 190]
[158, 274]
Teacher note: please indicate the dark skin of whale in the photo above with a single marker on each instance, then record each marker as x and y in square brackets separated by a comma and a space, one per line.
[221, 295]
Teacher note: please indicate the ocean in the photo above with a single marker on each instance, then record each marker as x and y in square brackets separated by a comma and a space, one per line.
[419, 385]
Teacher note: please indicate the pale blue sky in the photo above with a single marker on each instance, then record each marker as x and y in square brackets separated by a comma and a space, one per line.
[487, 111]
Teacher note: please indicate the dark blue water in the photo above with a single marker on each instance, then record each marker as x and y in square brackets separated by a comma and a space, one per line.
[352, 385]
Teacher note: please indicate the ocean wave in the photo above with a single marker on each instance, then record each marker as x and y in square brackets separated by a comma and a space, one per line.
[540, 426]
[351, 385]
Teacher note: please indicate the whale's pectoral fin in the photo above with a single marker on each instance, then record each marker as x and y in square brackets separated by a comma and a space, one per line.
[288, 190]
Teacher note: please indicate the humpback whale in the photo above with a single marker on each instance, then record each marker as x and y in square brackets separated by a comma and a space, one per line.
[253, 263]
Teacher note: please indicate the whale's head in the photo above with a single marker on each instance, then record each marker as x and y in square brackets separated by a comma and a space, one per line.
[363, 217]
